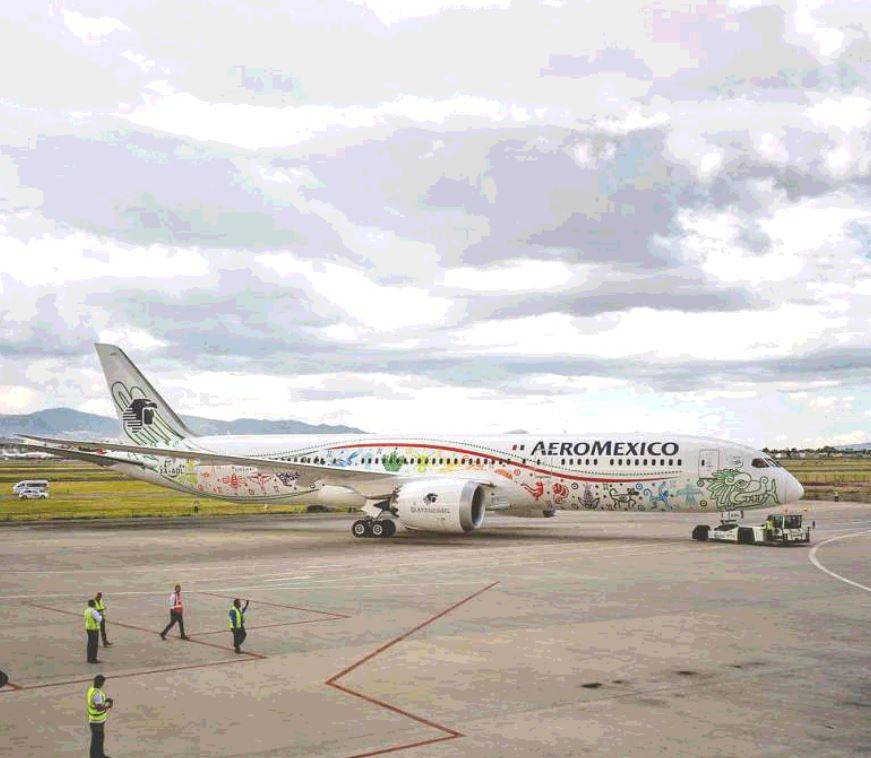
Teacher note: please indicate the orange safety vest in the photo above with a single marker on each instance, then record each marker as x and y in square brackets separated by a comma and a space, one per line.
[179, 606]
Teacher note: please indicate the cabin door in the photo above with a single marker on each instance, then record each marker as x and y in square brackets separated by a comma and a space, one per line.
[709, 462]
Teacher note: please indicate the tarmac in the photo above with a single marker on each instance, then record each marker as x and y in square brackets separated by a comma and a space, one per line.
[589, 633]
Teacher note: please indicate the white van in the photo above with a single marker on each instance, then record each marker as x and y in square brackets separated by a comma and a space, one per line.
[33, 493]
[30, 484]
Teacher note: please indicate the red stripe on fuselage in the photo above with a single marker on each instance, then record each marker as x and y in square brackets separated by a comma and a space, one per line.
[501, 456]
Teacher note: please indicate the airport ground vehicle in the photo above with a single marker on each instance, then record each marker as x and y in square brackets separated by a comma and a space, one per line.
[30, 484]
[778, 529]
[33, 493]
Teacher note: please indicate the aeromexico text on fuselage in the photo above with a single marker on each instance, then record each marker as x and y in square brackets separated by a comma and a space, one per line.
[606, 447]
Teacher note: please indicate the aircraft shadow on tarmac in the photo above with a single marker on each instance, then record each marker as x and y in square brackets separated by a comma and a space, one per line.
[325, 525]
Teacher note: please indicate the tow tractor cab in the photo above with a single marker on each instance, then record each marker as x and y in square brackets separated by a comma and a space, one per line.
[786, 528]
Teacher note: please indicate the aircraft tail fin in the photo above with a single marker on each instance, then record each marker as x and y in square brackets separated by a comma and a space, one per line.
[145, 416]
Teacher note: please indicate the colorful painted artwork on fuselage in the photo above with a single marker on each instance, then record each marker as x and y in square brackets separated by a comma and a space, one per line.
[520, 481]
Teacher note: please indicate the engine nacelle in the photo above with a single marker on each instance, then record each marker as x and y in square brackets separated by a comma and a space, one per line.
[441, 505]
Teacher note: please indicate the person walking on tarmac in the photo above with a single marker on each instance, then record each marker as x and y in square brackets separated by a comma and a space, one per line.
[176, 613]
[236, 623]
[92, 628]
[100, 605]
[98, 711]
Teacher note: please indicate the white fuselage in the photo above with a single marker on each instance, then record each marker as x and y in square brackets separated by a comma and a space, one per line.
[637, 472]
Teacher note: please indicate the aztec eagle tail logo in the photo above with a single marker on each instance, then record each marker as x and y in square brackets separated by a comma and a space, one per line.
[145, 416]
[139, 413]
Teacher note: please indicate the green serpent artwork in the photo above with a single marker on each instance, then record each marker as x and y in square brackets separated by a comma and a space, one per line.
[731, 488]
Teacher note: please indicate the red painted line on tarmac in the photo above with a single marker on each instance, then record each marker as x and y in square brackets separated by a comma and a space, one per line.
[403, 747]
[147, 631]
[24, 687]
[401, 637]
[278, 605]
[449, 733]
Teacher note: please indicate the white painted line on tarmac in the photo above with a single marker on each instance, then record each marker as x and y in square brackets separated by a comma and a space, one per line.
[812, 557]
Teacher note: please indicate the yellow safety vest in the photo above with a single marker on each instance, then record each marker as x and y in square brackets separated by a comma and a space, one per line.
[235, 616]
[91, 624]
[95, 716]
[101, 606]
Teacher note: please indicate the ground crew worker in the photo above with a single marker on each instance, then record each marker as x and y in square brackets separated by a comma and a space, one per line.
[98, 711]
[92, 627]
[176, 613]
[236, 624]
[100, 605]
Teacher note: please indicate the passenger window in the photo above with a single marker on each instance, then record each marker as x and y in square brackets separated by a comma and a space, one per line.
[636, 461]
[671, 461]
[645, 461]
[611, 462]
[759, 463]
[562, 462]
[679, 462]
[619, 461]
[662, 461]
[595, 461]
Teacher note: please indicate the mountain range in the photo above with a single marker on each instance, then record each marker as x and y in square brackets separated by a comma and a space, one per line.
[69, 422]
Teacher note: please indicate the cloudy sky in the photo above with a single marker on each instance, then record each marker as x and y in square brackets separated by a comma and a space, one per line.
[444, 215]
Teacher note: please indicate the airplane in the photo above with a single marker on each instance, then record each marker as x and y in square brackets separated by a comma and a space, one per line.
[434, 484]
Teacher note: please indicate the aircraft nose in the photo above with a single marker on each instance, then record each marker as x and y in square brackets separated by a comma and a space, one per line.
[794, 490]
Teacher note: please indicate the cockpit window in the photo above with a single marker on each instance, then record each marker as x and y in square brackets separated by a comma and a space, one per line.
[759, 463]
[773, 463]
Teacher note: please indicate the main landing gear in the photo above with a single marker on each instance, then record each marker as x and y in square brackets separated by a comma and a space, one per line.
[370, 527]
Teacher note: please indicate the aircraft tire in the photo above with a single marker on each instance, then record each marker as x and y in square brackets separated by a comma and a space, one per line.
[745, 536]
[378, 529]
[4, 680]
[389, 528]
[360, 528]
[700, 533]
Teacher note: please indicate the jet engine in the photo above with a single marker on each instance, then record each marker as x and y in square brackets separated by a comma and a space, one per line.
[441, 505]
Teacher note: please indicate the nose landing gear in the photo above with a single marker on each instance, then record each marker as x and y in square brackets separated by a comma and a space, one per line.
[370, 527]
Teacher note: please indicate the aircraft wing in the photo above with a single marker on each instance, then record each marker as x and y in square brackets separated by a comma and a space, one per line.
[366, 483]
[80, 455]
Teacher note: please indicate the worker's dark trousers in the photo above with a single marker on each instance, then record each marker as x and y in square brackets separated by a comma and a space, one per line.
[103, 630]
[97, 736]
[93, 639]
[175, 618]
[239, 636]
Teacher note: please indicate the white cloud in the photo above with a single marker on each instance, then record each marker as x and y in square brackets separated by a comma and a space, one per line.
[131, 338]
[56, 260]
[376, 307]
[17, 399]
[256, 127]
[394, 11]
[846, 113]
[91, 29]
[514, 277]
[737, 335]
[418, 150]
